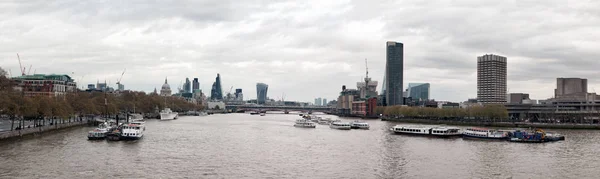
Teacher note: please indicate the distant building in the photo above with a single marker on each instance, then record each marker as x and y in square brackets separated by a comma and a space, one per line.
[517, 98]
[318, 101]
[324, 102]
[91, 87]
[418, 91]
[394, 73]
[120, 87]
[491, 79]
[45, 85]
[165, 90]
[101, 86]
[261, 92]
[567, 86]
[187, 86]
[195, 85]
[239, 96]
[216, 93]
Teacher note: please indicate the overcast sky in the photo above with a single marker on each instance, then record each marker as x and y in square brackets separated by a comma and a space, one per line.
[305, 49]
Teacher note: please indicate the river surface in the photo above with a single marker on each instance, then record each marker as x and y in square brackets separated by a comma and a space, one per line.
[252, 146]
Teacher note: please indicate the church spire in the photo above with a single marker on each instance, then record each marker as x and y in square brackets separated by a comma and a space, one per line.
[165, 80]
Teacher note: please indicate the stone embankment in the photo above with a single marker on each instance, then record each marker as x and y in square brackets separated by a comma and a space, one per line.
[38, 130]
[498, 124]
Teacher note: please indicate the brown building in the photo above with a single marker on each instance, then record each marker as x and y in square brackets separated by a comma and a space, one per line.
[45, 85]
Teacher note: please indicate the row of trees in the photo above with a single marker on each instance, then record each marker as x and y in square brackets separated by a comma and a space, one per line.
[486, 113]
[15, 105]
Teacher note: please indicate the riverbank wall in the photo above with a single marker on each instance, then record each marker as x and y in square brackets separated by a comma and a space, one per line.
[39, 130]
[497, 124]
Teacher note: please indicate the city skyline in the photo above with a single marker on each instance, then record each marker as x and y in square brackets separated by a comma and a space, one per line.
[300, 51]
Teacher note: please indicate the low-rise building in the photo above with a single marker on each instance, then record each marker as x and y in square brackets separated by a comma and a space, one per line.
[45, 85]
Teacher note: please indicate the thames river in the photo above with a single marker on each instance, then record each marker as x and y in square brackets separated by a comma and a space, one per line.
[252, 146]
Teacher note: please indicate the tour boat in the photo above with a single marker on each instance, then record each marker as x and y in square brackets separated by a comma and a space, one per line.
[167, 114]
[359, 125]
[445, 131]
[431, 131]
[98, 133]
[133, 130]
[325, 121]
[340, 125]
[484, 133]
[303, 123]
[537, 136]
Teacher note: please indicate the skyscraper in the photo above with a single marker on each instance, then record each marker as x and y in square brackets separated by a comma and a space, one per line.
[491, 79]
[216, 93]
[418, 91]
[195, 84]
[261, 92]
[187, 87]
[394, 73]
[324, 102]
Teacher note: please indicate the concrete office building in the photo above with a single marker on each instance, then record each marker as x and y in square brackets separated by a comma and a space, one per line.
[394, 73]
[566, 86]
[491, 79]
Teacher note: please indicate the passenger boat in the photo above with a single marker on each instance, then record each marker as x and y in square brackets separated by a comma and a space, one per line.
[114, 133]
[167, 114]
[537, 136]
[359, 125]
[325, 121]
[262, 114]
[551, 137]
[303, 123]
[484, 133]
[98, 133]
[431, 131]
[338, 124]
[133, 130]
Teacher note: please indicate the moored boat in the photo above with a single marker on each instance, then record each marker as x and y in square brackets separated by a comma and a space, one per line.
[537, 136]
[416, 130]
[98, 133]
[167, 114]
[483, 133]
[133, 131]
[303, 123]
[359, 125]
[445, 131]
[340, 125]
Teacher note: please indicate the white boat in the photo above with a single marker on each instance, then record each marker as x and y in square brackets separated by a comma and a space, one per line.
[484, 133]
[98, 133]
[262, 114]
[135, 116]
[325, 121]
[431, 131]
[133, 130]
[167, 114]
[359, 125]
[305, 123]
[337, 124]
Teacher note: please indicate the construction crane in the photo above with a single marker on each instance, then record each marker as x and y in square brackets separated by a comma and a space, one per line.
[367, 68]
[21, 66]
[29, 71]
[119, 80]
[230, 89]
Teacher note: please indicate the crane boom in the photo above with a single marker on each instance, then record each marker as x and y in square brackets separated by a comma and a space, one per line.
[367, 67]
[29, 71]
[21, 66]
[119, 81]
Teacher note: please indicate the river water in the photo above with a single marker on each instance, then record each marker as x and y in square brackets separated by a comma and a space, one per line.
[252, 146]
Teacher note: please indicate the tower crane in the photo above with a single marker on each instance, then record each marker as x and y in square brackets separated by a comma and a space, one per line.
[21, 66]
[119, 81]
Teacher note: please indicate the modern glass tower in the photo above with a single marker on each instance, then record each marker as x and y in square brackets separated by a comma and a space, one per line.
[394, 73]
[216, 93]
[261, 92]
[187, 87]
[419, 91]
[195, 84]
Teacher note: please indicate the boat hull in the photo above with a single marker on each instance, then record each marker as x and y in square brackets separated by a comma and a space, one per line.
[169, 116]
[482, 137]
[340, 127]
[130, 138]
[96, 138]
[304, 126]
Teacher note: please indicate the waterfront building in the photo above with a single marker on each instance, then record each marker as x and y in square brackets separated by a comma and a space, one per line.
[187, 86]
[91, 87]
[165, 90]
[261, 92]
[239, 96]
[345, 100]
[394, 73]
[195, 85]
[216, 93]
[517, 98]
[491, 79]
[45, 85]
[568, 86]
[418, 91]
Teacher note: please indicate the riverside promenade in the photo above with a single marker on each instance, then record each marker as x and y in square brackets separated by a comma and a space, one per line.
[497, 124]
[38, 130]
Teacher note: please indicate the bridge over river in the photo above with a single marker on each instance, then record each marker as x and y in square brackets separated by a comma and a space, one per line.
[245, 107]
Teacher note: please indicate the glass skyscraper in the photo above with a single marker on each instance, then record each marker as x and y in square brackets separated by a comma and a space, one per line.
[216, 93]
[261, 92]
[418, 91]
[195, 84]
[394, 73]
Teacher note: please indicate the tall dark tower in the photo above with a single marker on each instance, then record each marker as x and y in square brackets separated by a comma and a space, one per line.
[216, 93]
[394, 73]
